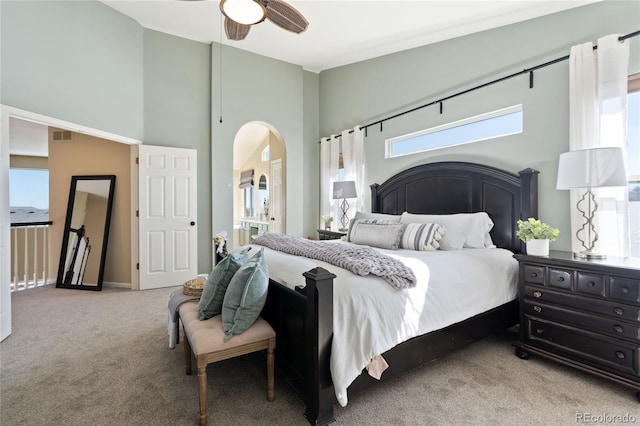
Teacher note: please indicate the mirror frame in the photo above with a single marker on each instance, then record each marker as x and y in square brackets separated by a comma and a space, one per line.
[111, 179]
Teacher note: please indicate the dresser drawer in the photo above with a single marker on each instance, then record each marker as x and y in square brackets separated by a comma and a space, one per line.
[611, 327]
[594, 349]
[604, 307]
[626, 289]
[534, 274]
[592, 284]
[560, 278]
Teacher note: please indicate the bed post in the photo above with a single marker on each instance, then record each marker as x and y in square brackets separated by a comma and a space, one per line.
[529, 194]
[318, 337]
[375, 203]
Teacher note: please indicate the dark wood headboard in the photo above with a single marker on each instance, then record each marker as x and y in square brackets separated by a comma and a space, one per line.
[459, 187]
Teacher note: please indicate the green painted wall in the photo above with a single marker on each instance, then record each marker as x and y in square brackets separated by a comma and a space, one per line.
[78, 61]
[364, 92]
[177, 113]
[83, 62]
[257, 88]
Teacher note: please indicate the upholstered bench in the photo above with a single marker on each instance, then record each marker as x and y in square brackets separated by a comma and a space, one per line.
[207, 341]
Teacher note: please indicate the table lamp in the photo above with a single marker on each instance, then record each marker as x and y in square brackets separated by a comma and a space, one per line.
[345, 189]
[590, 169]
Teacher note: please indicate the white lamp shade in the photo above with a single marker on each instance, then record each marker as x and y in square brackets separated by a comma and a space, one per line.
[345, 189]
[246, 12]
[591, 168]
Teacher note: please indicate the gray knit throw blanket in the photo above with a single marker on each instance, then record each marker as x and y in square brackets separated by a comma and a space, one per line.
[361, 260]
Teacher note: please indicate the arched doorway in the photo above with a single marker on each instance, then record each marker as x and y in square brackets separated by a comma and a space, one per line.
[259, 176]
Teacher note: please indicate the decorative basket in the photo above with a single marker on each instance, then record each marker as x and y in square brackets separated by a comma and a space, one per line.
[193, 287]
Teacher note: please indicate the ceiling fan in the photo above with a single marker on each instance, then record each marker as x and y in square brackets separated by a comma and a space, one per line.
[240, 15]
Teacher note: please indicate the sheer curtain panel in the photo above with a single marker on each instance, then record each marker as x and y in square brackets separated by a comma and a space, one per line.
[329, 173]
[353, 162]
[598, 103]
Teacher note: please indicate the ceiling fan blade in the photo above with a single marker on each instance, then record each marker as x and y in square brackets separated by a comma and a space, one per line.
[286, 16]
[234, 30]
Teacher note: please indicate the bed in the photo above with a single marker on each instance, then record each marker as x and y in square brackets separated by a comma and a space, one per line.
[303, 316]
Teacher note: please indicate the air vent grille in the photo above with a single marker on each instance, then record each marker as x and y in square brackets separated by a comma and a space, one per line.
[62, 135]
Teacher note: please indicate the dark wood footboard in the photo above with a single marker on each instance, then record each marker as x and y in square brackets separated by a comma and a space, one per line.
[303, 322]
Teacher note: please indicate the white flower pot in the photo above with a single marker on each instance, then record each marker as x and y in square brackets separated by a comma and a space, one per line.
[538, 247]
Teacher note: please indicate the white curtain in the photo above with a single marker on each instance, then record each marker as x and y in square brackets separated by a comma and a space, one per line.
[598, 103]
[329, 157]
[353, 162]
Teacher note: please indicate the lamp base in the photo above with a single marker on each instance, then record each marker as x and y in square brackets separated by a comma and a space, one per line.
[343, 229]
[589, 255]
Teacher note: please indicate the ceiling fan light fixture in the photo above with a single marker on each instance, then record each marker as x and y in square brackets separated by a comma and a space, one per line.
[247, 12]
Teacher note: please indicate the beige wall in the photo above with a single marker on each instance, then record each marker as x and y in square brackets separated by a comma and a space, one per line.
[87, 155]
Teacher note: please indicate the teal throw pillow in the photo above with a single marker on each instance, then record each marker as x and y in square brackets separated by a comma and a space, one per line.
[246, 296]
[214, 289]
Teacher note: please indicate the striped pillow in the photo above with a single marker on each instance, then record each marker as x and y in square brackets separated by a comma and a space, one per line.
[422, 236]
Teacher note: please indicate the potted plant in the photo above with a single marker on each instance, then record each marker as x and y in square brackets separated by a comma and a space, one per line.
[327, 222]
[536, 235]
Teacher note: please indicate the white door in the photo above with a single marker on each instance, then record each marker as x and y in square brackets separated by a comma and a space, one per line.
[5, 226]
[277, 201]
[167, 204]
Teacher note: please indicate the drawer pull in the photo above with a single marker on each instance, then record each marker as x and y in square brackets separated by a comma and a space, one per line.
[539, 331]
[592, 284]
[618, 311]
[537, 294]
[537, 308]
[625, 290]
[533, 274]
[560, 279]
[620, 354]
[618, 328]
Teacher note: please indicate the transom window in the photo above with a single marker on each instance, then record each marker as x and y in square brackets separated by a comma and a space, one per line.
[494, 124]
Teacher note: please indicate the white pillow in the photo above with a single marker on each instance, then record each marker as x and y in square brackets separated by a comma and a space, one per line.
[422, 236]
[469, 230]
[375, 233]
[392, 218]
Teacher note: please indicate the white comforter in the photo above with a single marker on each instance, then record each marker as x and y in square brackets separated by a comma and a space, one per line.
[370, 317]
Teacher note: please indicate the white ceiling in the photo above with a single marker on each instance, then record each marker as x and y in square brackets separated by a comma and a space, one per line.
[341, 32]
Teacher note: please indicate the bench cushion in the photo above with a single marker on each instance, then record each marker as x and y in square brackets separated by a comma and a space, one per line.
[208, 336]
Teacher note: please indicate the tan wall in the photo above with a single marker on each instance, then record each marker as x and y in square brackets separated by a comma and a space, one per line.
[87, 155]
[28, 162]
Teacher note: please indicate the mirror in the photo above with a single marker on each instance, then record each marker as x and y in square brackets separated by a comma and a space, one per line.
[86, 231]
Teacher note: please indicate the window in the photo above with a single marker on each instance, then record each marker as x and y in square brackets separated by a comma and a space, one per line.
[266, 153]
[29, 195]
[503, 122]
[633, 162]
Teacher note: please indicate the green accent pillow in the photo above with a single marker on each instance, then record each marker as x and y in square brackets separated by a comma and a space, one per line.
[246, 296]
[214, 289]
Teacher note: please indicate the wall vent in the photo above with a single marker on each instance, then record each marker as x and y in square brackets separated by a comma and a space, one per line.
[62, 135]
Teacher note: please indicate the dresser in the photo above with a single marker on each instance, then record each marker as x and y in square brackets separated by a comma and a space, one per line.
[585, 314]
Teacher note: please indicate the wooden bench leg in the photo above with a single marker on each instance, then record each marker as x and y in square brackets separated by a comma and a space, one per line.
[270, 368]
[202, 381]
[187, 355]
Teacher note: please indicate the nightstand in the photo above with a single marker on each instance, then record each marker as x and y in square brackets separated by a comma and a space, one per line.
[585, 314]
[325, 234]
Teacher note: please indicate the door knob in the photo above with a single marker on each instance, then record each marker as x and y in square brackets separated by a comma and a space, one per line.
[192, 223]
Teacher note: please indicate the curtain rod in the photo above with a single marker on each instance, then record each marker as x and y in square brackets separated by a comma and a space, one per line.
[480, 86]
